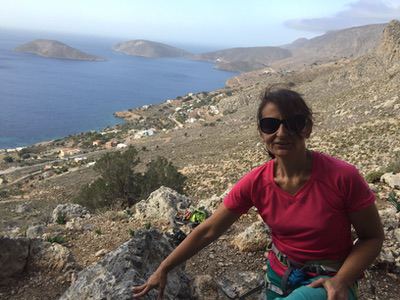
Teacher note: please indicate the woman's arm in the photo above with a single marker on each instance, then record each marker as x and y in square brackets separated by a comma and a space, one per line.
[201, 236]
[368, 227]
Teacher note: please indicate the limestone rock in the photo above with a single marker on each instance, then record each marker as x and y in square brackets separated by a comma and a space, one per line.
[69, 211]
[13, 257]
[35, 231]
[49, 256]
[101, 252]
[212, 203]
[389, 46]
[22, 208]
[393, 180]
[253, 238]
[242, 283]
[79, 224]
[130, 265]
[161, 206]
[396, 234]
[204, 287]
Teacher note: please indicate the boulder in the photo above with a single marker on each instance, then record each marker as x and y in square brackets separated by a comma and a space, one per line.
[13, 257]
[79, 224]
[253, 238]
[161, 206]
[392, 180]
[35, 231]
[68, 212]
[211, 204]
[47, 256]
[19, 255]
[114, 276]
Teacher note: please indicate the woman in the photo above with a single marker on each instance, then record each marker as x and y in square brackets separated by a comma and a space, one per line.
[309, 201]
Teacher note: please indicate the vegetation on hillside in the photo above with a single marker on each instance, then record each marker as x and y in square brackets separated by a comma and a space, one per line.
[120, 184]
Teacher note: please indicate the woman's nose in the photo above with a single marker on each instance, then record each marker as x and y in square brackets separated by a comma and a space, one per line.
[282, 130]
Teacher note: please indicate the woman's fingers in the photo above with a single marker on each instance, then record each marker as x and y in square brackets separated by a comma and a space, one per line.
[317, 283]
[141, 293]
[137, 289]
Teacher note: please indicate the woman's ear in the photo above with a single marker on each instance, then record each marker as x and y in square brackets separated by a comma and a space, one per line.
[306, 133]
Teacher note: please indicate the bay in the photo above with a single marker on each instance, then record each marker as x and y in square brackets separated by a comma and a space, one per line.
[43, 99]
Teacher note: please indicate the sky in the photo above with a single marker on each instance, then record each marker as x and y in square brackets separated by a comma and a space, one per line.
[218, 23]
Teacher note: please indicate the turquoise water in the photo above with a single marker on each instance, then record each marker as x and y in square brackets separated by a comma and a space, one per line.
[43, 99]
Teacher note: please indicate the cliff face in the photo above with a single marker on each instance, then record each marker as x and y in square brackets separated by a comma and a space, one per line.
[55, 49]
[389, 47]
[149, 49]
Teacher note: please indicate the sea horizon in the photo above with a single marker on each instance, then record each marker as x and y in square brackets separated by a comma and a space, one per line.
[44, 99]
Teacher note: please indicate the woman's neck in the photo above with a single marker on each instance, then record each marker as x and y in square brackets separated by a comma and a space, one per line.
[294, 166]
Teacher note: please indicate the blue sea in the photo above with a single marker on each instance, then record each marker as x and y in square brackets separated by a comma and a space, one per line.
[43, 99]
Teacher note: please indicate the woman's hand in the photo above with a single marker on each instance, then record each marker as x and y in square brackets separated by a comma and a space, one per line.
[336, 289]
[157, 280]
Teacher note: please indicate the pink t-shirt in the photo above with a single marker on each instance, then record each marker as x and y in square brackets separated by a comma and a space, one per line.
[314, 223]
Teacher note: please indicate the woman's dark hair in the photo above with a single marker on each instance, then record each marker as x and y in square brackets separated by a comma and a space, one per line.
[288, 102]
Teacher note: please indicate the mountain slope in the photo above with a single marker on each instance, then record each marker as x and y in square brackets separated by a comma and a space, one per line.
[244, 59]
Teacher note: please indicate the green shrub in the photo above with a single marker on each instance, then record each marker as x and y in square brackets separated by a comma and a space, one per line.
[162, 172]
[8, 159]
[98, 232]
[118, 182]
[4, 193]
[374, 176]
[131, 232]
[392, 198]
[61, 219]
[25, 156]
[56, 239]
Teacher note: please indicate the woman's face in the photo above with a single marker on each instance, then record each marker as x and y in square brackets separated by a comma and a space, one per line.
[283, 143]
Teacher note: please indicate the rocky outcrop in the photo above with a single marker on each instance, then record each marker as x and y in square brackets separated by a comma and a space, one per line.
[130, 265]
[253, 238]
[389, 47]
[392, 180]
[149, 49]
[66, 212]
[13, 257]
[161, 206]
[55, 49]
[21, 255]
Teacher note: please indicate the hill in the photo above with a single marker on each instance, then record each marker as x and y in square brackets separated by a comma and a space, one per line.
[244, 59]
[55, 49]
[346, 43]
[151, 49]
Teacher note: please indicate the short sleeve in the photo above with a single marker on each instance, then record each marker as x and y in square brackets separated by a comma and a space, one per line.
[239, 198]
[358, 193]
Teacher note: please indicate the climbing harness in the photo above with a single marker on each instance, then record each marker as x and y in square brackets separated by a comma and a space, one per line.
[297, 273]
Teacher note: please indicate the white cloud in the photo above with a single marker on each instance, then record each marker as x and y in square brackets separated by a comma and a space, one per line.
[359, 13]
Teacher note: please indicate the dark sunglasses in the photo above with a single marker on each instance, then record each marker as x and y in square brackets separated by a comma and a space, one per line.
[293, 124]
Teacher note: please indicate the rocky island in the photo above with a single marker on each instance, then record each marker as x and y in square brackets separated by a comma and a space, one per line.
[151, 49]
[56, 49]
